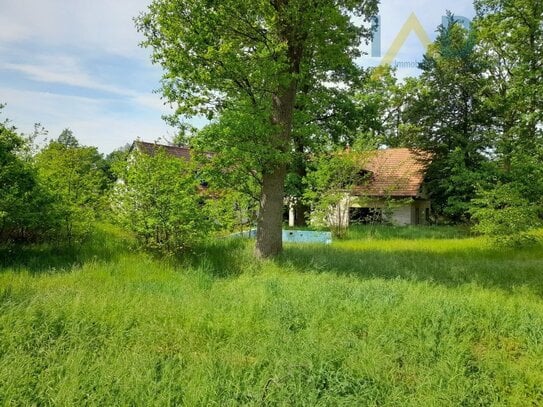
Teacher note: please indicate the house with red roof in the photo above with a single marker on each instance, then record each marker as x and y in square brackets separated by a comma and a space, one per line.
[393, 192]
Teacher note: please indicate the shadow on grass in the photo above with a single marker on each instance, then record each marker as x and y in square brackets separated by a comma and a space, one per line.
[220, 258]
[490, 268]
[45, 257]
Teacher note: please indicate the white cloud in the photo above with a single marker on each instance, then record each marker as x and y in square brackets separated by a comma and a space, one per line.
[61, 70]
[12, 31]
[92, 121]
[98, 24]
[66, 70]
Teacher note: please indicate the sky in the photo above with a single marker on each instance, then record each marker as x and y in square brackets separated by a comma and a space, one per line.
[77, 64]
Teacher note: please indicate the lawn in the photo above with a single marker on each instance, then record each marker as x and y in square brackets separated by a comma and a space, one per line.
[398, 316]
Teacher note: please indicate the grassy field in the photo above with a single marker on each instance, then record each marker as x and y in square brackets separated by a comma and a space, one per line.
[398, 316]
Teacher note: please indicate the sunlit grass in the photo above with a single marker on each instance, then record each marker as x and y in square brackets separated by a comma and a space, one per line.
[380, 321]
[421, 245]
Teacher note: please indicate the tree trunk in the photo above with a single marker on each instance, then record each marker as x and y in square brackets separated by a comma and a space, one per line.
[300, 209]
[300, 212]
[269, 240]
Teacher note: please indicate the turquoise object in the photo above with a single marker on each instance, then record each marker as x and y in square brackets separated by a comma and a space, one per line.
[306, 236]
[294, 236]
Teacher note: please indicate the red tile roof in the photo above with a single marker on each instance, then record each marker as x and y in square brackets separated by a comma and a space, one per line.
[395, 172]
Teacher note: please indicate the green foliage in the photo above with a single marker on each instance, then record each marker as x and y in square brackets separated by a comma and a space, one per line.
[379, 102]
[160, 200]
[504, 215]
[329, 188]
[67, 139]
[114, 163]
[429, 319]
[514, 69]
[73, 175]
[446, 113]
[262, 62]
[26, 210]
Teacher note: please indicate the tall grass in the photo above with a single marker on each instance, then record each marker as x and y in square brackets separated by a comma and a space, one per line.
[391, 320]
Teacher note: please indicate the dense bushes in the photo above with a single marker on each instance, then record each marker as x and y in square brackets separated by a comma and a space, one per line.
[53, 195]
[160, 199]
[26, 208]
[505, 215]
[74, 176]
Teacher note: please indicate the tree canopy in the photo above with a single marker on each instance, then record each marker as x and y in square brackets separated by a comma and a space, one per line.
[253, 60]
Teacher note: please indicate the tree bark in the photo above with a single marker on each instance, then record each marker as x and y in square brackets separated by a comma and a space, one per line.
[269, 239]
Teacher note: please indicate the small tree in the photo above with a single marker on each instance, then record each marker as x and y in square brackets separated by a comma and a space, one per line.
[74, 176]
[162, 202]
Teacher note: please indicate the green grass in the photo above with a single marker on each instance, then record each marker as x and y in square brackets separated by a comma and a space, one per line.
[401, 316]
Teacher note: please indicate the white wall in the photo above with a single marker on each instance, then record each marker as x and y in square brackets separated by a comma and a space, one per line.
[401, 216]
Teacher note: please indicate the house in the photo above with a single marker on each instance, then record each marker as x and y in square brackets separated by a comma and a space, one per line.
[394, 191]
[182, 152]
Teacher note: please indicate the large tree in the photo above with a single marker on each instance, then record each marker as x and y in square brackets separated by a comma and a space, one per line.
[515, 71]
[446, 113]
[511, 36]
[253, 59]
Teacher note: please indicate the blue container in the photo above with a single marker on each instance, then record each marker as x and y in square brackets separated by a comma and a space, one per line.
[306, 236]
[293, 236]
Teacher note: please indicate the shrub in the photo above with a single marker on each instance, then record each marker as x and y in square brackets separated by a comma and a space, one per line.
[26, 208]
[75, 177]
[505, 216]
[162, 202]
[329, 190]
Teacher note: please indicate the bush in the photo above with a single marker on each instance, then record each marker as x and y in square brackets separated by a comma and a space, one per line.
[26, 208]
[505, 216]
[161, 201]
[329, 188]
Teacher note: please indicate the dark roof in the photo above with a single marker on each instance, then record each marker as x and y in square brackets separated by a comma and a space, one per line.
[150, 149]
[397, 172]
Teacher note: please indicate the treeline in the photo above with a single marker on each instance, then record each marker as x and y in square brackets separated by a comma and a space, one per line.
[281, 85]
[477, 108]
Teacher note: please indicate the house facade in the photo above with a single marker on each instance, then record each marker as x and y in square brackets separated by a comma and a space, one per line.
[394, 191]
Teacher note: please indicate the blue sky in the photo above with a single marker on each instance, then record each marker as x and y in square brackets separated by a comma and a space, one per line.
[77, 64]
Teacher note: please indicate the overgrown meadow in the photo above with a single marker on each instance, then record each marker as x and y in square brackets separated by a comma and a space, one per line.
[397, 316]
